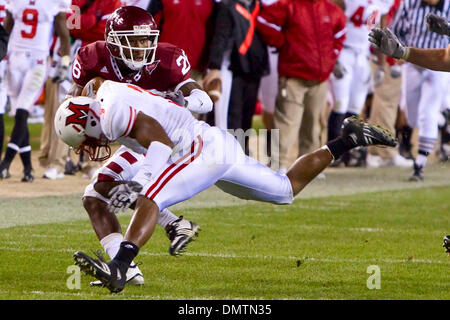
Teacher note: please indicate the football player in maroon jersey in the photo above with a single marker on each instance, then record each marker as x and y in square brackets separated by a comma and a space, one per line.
[131, 54]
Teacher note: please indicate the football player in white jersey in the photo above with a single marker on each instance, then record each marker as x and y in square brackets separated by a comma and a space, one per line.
[350, 81]
[183, 156]
[31, 24]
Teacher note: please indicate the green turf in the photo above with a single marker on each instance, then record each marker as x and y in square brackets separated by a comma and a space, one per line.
[314, 249]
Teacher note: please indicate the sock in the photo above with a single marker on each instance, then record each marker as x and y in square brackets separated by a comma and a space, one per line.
[340, 145]
[127, 252]
[11, 151]
[421, 158]
[111, 243]
[25, 156]
[334, 125]
[18, 136]
[166, 217]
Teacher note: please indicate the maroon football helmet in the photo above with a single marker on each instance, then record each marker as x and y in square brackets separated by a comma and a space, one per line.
[127, 22]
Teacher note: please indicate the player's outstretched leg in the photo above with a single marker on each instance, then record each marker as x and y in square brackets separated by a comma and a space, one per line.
[355, 133]
[180, 233]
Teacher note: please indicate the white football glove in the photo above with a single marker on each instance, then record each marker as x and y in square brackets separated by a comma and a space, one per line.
[63, 70]
[123, 195]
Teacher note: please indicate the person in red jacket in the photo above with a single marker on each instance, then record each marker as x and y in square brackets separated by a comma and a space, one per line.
[309, 35]
[92, 19]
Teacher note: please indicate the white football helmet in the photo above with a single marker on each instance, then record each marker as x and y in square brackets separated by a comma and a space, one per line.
[77, 123]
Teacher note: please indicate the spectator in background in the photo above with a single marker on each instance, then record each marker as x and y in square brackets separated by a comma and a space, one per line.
[188, 25]
[385, 108]
[309, 35]
[92, 17]
[351, 78]
[53, 152]
[237, 48]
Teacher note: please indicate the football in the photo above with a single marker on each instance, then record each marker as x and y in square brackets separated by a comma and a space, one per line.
[91, 88]
[214, 89]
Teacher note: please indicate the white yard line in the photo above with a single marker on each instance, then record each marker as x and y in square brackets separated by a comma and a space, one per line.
[255, 257]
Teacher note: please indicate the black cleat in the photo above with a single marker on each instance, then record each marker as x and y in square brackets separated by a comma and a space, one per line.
[27, 177]
[180, 233]
[364, 134]
[446, 244]
[112, 275]
[418, 173]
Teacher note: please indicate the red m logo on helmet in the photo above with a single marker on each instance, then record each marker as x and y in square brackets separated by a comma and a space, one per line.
[79, 116]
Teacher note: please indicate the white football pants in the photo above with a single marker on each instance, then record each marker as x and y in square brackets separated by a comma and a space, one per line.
[26, 75]
[351, 90]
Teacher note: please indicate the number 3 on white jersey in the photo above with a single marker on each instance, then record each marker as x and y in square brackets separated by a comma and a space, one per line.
[183, 60]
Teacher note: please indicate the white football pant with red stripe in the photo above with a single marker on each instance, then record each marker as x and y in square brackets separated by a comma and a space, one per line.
[216, 157]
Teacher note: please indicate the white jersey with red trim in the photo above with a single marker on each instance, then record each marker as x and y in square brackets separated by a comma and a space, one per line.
[363, 15]
[120, 105]
[33, 23]
[2, 10]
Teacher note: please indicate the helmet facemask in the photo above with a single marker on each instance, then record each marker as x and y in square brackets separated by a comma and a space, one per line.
[127, 52]
[96, 145]
[77, 123]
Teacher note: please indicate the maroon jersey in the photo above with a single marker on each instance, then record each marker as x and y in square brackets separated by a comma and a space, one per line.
[171, 67]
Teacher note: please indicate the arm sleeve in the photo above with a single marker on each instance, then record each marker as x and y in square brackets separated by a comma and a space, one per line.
[270, 23]
[81, 73]
[339, 32]
[180, 68]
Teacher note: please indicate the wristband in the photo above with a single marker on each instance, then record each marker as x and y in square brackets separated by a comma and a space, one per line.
[405, 54]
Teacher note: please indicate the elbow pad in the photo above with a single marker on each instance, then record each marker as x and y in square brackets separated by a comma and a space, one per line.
[199, 102]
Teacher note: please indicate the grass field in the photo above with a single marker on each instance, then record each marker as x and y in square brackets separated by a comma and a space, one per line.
[317, 248]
